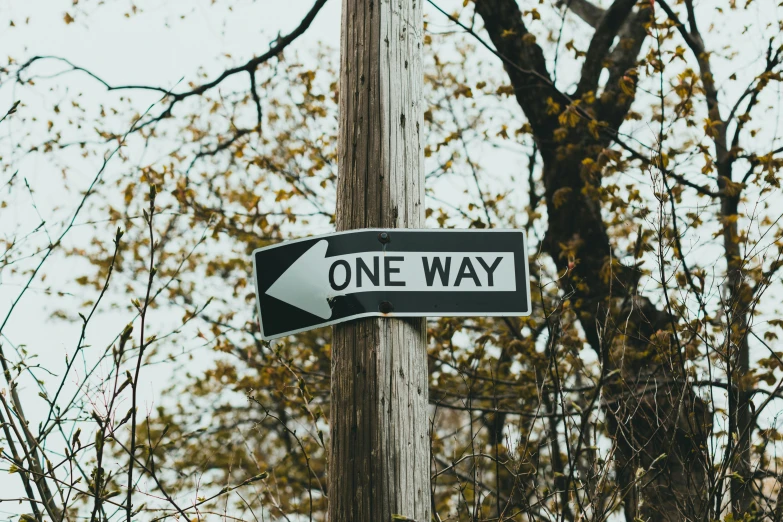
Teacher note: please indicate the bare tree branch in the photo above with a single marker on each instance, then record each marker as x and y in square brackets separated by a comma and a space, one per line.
[173, 98]
[605, 33]
[588, 12]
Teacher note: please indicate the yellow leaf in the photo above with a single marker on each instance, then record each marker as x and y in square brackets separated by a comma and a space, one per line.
[561, 196]
[552, 106]
[627, 85]
[733, 188]
[505, 89]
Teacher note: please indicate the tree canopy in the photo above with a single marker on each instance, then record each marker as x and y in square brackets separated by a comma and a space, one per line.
[637, 142]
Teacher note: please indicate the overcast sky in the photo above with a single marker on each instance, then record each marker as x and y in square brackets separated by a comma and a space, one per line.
[155, 47]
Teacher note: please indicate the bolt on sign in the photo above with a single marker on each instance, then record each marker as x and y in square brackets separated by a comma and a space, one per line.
[319, 281]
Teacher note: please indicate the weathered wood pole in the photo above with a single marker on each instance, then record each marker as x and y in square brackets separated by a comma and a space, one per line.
[379, 459]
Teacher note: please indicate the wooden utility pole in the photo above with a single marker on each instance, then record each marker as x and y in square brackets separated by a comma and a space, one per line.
[379, 459]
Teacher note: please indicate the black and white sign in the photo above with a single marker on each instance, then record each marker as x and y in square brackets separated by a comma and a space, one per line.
[329, 279]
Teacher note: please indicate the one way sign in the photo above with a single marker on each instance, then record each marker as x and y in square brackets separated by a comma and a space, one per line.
[318, 281]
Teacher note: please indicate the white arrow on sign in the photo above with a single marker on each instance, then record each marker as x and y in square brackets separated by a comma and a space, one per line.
[313, 279]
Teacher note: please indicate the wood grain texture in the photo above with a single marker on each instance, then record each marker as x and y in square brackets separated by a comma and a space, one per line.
[379, 458]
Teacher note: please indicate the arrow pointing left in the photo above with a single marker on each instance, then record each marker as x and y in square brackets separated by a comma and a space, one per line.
[305, 283]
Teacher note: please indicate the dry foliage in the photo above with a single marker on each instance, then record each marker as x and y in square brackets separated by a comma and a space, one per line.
[640, 150]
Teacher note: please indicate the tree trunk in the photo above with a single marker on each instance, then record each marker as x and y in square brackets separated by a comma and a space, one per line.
[658, 422]
[737, 312]
[379, 459]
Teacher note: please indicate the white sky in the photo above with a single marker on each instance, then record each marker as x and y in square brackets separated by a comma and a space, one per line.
[139, 50]
[143, 50]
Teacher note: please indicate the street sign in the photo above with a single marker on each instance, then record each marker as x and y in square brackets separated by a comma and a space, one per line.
[323, 280]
